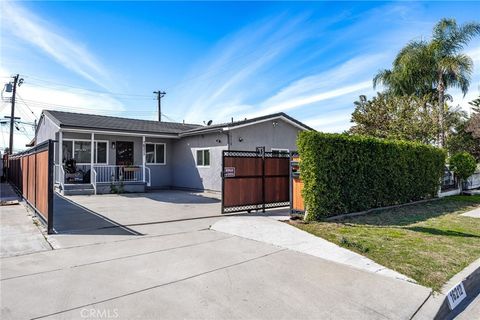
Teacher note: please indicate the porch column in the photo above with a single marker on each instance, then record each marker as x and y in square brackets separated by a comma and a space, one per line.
[60, 148]
[92, 152]
[144, 160]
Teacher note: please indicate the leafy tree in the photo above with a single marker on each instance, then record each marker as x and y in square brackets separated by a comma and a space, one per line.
[426, 67]
[463, 140]
[475, 104]
[466, 136]
[463, 164]
[402, 117]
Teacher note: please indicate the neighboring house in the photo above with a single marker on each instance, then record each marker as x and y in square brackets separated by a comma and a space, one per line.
[155, 154]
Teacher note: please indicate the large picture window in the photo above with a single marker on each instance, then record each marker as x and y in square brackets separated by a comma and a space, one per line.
[80, 150]
[155, 153]
[203, 157]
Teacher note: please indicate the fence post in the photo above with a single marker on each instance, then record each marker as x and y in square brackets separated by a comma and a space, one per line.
[50, 187]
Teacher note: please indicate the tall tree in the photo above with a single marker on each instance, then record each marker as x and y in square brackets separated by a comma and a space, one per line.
[402, 117]
[424, 67]
[475, 105]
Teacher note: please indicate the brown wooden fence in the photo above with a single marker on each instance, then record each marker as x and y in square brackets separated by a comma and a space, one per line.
[31, 173]
[296, 203]
[254, 180]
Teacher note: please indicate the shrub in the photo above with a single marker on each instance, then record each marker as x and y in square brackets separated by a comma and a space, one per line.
[348, 173]
[463, 164]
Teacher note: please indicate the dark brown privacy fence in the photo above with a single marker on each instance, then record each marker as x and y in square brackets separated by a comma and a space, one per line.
[31, 173]
[255, 180]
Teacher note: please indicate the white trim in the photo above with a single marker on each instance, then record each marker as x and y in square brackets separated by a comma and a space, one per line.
[267, 119]
[143, 157]
[96, 144]
[53, 122]
[203, 157]
[155, 154]
[173, 136]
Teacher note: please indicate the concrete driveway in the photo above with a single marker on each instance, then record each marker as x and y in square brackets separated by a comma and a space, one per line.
[168, 264]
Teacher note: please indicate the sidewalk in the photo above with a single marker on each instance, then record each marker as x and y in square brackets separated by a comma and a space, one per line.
[280, 234]
[18, 234]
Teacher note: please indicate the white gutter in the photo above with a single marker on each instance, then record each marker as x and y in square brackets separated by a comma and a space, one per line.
[173, 136]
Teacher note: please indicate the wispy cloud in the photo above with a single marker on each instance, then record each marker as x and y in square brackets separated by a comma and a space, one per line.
[32, 29]
[229, 75]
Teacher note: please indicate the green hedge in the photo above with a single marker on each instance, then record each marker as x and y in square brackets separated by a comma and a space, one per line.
[347, 173]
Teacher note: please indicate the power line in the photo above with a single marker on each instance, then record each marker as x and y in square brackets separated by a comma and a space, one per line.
[27, 106]
[96, 93]
[84, 88]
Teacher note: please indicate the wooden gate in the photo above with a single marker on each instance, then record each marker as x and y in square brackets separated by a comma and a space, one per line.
[31, 173]
[255, 180]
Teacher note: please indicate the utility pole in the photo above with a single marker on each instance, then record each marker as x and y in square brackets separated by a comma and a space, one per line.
[16, 81]
[160, 95]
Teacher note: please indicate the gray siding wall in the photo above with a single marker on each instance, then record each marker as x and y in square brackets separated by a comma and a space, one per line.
[46, 130]
[186, 174]
[282, 136]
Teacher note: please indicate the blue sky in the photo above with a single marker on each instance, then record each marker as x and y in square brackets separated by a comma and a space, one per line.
[215, 60]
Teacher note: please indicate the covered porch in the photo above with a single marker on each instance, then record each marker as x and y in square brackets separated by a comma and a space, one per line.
[96, 162]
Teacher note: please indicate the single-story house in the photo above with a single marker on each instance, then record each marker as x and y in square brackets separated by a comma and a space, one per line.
[152, 154]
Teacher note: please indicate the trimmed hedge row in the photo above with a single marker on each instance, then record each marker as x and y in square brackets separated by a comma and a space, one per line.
[347, 173]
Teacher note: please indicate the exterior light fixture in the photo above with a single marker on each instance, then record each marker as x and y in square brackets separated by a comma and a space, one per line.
[113, 145]
[275, 123]
[240, 139]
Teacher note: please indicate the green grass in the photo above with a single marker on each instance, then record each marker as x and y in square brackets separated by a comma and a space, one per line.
[429, 242]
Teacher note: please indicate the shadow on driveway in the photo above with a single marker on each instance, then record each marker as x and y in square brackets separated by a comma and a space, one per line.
[177, 197]
[73, 218]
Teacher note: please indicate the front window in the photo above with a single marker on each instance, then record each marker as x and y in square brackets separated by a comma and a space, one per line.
[203, 158]
[80, 150]
[100, 154]
[155, 153]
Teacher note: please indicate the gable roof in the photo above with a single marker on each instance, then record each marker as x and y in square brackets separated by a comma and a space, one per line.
[247, 122]
[91, 121]
[85, 121]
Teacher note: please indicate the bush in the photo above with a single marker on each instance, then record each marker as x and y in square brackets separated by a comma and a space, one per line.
[348, 173]
[463, 164]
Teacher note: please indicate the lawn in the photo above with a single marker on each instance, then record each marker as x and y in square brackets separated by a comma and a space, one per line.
[429, 242]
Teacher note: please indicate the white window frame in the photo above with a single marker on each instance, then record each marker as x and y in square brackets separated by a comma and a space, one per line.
[280, 150]
[155, 154]
[203, 155]
[95, 146]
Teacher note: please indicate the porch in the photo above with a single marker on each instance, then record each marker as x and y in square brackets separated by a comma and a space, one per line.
[93, 179]
[91, 163]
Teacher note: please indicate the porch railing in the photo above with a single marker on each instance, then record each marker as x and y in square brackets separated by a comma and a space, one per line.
[114, 173]
[59, 175]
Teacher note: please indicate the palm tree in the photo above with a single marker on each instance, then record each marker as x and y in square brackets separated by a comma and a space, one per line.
[424, 67]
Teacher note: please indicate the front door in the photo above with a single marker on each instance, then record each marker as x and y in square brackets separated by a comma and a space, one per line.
[124, 153]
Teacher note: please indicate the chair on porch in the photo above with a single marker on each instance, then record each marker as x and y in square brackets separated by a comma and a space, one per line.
[73, 174]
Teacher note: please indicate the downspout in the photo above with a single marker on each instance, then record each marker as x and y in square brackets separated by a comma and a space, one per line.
[228, 138]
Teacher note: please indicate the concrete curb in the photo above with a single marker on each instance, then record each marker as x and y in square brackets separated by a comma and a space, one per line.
[436, 307]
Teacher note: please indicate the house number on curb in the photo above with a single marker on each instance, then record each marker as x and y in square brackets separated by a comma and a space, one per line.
[456, 295]
[229, 172]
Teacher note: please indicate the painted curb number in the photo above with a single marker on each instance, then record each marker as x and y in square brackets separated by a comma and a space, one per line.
[456, 295]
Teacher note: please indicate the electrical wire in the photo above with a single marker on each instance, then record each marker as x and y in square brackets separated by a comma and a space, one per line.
[26, 105]
[84, 88]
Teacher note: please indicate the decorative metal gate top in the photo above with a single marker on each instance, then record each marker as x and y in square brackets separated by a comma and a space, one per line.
[254, 180]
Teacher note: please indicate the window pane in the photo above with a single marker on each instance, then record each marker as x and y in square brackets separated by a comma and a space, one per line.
[199, 158]
[67, 150]
[82, 151]
[160, 153]
[150, 153]
[206, 157]
[101, 152]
